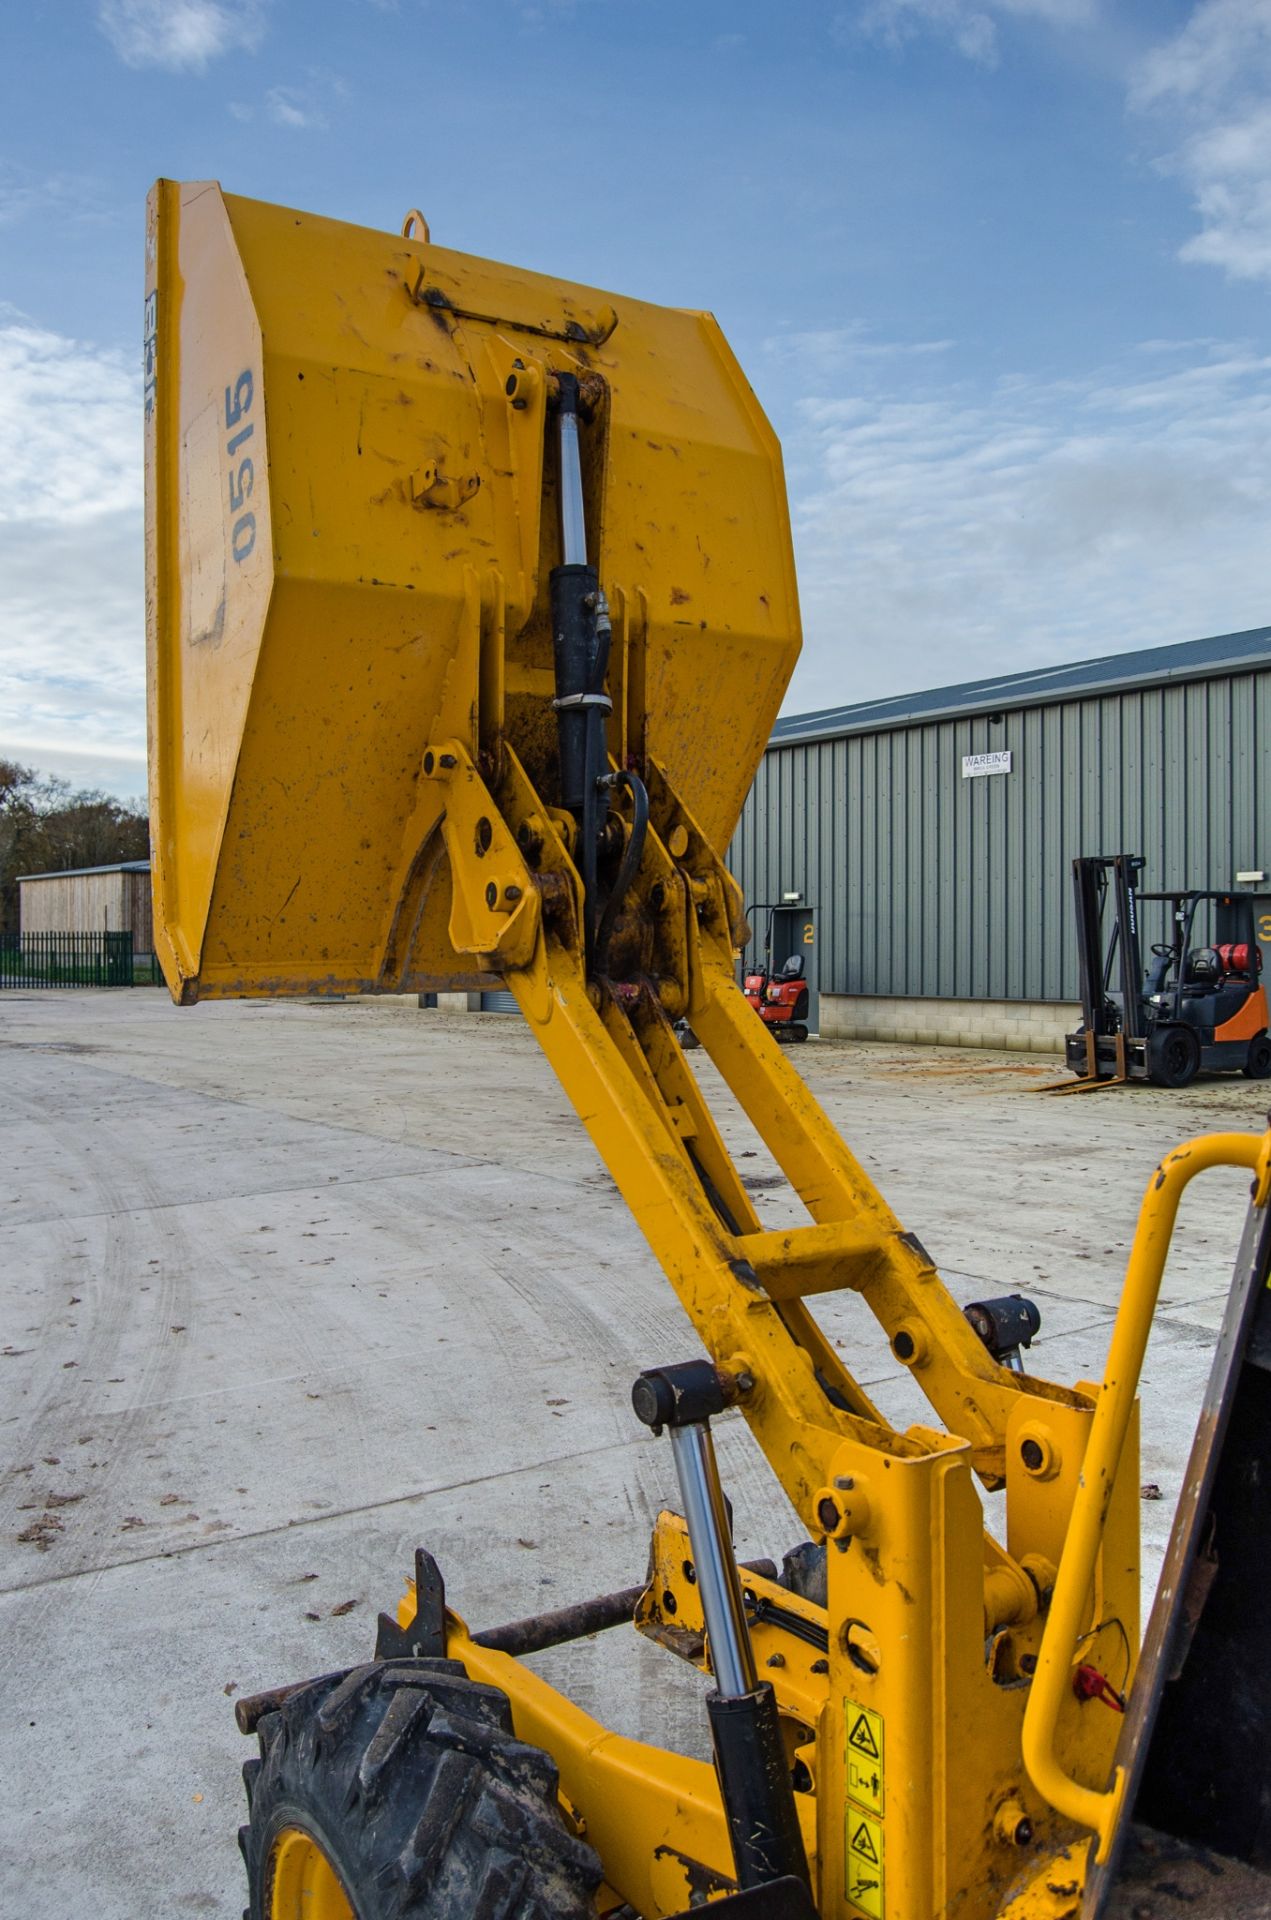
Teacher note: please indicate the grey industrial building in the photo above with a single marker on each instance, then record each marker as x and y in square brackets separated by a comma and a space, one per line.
[918, 849]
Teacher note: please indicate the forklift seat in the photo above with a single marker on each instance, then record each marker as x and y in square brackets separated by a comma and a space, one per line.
[1202, 968]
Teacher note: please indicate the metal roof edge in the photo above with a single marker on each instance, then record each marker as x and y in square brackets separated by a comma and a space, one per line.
[883, 716]
[78, 873]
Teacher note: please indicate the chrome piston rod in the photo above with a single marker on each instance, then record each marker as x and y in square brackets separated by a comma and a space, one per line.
[718, 1581]
[573, 526]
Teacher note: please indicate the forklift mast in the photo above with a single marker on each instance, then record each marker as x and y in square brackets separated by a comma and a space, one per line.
[1094, 876]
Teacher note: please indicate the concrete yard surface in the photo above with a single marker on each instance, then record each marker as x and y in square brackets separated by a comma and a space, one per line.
[289, 1288]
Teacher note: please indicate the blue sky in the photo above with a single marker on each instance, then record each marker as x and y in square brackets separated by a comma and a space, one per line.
[998, 270]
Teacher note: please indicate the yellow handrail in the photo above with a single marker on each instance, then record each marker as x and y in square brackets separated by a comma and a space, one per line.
[1052, 1679]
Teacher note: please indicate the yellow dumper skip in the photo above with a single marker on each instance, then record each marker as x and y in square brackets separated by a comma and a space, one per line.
[351, 521]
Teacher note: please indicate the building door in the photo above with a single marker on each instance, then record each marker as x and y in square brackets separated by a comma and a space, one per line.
[794, 931]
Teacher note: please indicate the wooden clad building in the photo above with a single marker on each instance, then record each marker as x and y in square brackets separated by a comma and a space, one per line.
[113, 899]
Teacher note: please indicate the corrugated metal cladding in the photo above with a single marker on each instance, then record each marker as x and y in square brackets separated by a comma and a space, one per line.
[926, 883]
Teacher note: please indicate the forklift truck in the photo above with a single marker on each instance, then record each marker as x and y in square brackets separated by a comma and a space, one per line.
[471, 604]
[1200, 1005]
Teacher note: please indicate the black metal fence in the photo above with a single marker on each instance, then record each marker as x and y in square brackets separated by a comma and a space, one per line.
[74, 960]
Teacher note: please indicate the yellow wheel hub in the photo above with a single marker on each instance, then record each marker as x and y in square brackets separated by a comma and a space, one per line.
[304, 1885]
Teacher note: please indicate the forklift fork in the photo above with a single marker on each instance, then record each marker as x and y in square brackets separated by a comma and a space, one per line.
[1091, 1081]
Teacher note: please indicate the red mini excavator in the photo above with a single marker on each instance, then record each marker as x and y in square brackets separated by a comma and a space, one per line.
[780, 999]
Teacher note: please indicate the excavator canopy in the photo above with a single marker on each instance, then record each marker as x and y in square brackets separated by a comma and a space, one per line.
[351, 519]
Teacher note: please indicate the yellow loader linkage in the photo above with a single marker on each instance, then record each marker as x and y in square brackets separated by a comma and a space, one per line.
[471, 604]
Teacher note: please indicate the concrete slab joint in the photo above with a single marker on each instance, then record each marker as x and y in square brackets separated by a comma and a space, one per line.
[276, 1310]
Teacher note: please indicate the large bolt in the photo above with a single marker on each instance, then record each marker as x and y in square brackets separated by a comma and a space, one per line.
[1012, 1826]
[1038, 1453]
[843, 1510]
[910, 1344]
[828, 1514]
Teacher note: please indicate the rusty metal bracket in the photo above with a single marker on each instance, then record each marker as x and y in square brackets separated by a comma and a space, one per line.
[424, 1637]
[582, 329]
[430, 487]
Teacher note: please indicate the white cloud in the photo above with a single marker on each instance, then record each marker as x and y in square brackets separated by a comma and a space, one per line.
[63, 197]
[972, 25]
[180, 33]
[72, 634]
[942, 533]
[287, 107]
[70, 428]
[99, 770]
[300, 107]
[835, 351]
[1209, 85]
[1208, 55]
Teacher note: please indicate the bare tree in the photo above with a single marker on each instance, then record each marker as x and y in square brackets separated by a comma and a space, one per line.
[45, 827]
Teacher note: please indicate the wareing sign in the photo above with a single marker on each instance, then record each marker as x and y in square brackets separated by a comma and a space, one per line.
[975, 765]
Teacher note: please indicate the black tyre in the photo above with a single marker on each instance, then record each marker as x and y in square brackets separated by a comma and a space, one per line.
[1174, 1056]
[1258, 1064]
[400, 1792]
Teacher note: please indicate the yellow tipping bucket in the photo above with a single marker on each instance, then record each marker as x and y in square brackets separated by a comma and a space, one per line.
[350, 525]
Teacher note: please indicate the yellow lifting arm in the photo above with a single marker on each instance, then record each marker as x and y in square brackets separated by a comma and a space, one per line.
[615, 1053]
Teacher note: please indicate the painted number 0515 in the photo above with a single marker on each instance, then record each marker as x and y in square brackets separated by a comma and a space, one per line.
[242, 475]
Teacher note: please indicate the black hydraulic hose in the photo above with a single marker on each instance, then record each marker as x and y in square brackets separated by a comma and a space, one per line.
[581, 637]
[588, 832]
[632, 854]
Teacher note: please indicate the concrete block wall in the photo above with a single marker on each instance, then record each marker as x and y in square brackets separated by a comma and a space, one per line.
[1022, 1026]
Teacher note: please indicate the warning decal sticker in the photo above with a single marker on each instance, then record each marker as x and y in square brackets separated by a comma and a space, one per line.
[865, 1863]
[865, 1757]
[862, 1737]
[865, 1762]
[864, 1843]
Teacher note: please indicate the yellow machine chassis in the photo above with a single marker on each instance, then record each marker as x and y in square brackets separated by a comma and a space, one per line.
[356, 530]
[950, 1768]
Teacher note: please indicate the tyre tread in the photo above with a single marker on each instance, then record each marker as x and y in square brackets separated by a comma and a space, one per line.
[410, 1777]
